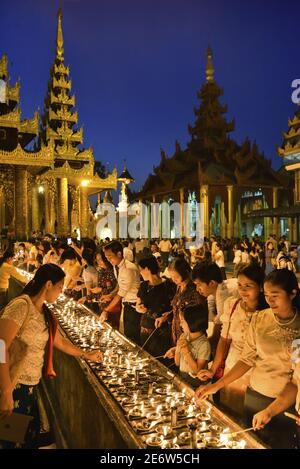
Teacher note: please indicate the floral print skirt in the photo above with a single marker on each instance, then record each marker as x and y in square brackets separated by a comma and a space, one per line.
[25, 402]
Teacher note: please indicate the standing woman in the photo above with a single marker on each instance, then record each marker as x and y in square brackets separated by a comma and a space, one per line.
[26, 326]
[153, 300]
[235, 321]
[7, 270]
[186, 295]
[267, 353]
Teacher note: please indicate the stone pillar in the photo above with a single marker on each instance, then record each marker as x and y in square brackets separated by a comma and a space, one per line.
[50, 189]
[291, 229]
[62, 207]
[223, 221]
[84, 212]
[294, 236]
[275, 205]
[204, 199]
[34, 208]
[2, 209]
[21, 203]
[181, 198]
[230, 212]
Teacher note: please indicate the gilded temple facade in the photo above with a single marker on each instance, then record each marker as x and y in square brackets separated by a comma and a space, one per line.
[290, 153]
[46, 187]
[235, 183]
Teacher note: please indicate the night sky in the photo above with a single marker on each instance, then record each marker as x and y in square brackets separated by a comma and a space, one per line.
[136, 66]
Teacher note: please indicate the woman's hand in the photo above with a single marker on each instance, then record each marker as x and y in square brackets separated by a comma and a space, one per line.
[96, 290]
[6, 404]
[103, 316]
[94, 356]
[205, 375]
[160, 321]
[261, 419]
[204, 391]
[82, 300]
[105, 299]
[140, 308]
[170, 353]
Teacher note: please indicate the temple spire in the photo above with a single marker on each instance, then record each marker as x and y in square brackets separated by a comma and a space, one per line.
[209, 67]
[59, 36]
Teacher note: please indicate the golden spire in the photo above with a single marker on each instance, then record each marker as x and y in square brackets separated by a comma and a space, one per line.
[209, 67]
[59, 36]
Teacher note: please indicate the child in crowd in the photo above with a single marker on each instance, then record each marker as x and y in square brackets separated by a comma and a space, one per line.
[192, 349]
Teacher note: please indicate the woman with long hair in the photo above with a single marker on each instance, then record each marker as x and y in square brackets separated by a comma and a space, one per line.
[186, 295]
[266, 353]
[28, 328]
[235, 321]
[153, 300]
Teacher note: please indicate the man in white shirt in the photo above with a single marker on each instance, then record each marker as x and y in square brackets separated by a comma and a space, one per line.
[128, 277]
[209, 283]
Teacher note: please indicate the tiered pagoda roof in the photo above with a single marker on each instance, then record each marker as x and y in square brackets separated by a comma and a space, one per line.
[60, 128]
[16, 133]
[60, 119]
[290, 148]
[211, 156]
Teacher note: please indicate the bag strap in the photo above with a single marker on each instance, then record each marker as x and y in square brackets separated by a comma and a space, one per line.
[21, 297]
[230, 316]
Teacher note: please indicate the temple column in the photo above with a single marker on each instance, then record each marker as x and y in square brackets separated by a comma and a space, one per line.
[230, 212]
[204, 199]
[49, 206]
[21, 203]
[34, 208]
[2, 209]
[84, 212]
[223, 222]
[62, 207]
[181, 198]
[291, 229]
[275, 205]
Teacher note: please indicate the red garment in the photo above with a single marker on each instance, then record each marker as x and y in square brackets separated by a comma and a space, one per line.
[52, 324]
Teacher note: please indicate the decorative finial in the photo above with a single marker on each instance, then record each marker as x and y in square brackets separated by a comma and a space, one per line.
[209, 67]
[59, 36]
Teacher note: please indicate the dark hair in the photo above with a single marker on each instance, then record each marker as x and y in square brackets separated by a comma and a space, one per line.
[255, 273]
[104, 258]
[287, 280]
[150, 263]
[115, 247]
[196, 317]
[206, 272]
[46, 272]
[281, 246]
[68, 254]
[88, 256]
[7, 255]
[181, 266]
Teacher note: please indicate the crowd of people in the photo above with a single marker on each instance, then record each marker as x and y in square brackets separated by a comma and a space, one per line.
[236, 339]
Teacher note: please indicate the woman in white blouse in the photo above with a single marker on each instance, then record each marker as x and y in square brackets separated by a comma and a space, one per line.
[266, 353]
[26, 327]
[235, 321]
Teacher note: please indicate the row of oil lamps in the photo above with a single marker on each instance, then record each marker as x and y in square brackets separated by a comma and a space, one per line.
[164, 415]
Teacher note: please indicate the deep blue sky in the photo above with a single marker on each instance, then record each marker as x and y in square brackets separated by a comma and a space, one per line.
[136, 66]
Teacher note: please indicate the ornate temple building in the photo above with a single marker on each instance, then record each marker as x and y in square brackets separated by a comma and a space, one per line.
[234, 182]
[46, 187]
[290, 152]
